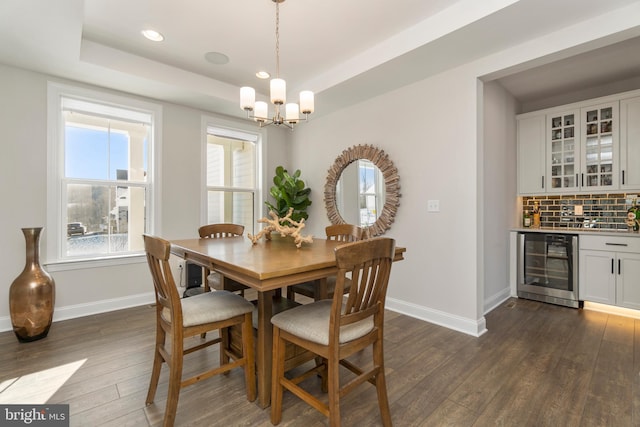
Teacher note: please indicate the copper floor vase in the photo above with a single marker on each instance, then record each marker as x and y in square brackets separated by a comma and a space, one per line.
[32, 294]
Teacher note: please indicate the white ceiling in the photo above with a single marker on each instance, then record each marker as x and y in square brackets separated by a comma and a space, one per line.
[345, 51]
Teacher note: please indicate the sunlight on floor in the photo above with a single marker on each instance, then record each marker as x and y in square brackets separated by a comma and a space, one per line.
[38, 387]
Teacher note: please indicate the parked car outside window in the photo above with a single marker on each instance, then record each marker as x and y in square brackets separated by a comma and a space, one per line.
[76, 228]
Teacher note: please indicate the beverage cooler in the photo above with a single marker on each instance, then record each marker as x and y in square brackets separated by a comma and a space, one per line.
[548, 268]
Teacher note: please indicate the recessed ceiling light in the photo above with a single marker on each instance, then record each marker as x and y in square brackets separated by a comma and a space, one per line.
[216, 58]
[153, 35]
[263, 75]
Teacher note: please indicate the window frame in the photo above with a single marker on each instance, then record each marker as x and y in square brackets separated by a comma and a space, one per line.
[226, 129]
[55, 259]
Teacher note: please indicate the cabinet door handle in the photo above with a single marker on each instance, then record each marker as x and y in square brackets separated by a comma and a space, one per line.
[623, 177]
[618, 267]
[616, 244]
[581, 180]
[543, 181]
[577, 180]
[611, 265]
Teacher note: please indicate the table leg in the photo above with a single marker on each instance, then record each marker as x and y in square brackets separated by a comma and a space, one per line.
[264, 347]
[321, 289]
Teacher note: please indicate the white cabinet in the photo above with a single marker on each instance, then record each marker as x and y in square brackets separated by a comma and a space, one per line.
[609, 270]
[630, 144]
[583, 149]
[586, 147]
[599, 147]
[531, 154]
[563, 146]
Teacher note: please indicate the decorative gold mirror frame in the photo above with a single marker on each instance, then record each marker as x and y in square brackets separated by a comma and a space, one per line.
[391, 185]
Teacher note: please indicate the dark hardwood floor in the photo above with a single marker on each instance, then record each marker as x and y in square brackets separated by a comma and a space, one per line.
[538, 365]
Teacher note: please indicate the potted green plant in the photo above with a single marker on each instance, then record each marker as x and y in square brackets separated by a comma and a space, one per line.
[289, 191]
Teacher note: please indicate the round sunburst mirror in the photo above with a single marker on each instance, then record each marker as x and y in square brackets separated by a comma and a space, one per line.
[363, 188]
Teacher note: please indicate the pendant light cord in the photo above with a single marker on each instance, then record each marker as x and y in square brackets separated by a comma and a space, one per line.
[277, 39]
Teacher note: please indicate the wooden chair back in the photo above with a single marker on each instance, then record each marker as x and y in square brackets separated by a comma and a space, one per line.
[366, 266]
[220, 230]
[342, 233]
[216, 231]
[345, 232]
[158, 252]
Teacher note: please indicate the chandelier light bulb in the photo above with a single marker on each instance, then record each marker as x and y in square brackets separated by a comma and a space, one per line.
[247, 98]
[306, 102]
[292, 112]
[278, 91]
[261, 111]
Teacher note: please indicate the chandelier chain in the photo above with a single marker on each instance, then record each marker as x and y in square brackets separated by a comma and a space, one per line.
[277, 39]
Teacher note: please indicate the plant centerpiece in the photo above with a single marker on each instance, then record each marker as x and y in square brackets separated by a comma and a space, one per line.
[289, 192]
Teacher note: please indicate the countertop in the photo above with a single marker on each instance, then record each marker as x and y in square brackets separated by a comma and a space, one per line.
[565, 230]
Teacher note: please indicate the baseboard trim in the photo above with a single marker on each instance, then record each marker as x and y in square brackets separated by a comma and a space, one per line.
[497, 299]
[87, 309]
[461, 324]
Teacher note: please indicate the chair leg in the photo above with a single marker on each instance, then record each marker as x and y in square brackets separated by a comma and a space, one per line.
[175, 378]
[157, 366]
[381, 384]
[333, 373]
[248, 353]
[225, 345]
[276, 374]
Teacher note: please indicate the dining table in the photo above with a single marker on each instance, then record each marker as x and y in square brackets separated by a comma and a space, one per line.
[266, 266]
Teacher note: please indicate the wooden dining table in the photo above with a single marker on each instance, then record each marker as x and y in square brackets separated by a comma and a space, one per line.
[266, 266]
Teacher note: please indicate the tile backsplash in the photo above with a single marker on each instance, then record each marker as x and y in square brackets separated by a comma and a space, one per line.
[606, 211]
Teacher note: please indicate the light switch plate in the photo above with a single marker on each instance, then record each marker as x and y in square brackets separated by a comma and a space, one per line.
[433, 205]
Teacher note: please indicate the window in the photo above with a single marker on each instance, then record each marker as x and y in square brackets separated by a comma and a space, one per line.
[360, 193]
[101, 180]
[232, 176]
[370, 187]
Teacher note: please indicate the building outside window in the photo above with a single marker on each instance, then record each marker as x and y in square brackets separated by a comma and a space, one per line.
[100, 158]
[232, 176]
[360, 193]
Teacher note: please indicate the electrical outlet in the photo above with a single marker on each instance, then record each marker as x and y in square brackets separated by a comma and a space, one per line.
[433, 205]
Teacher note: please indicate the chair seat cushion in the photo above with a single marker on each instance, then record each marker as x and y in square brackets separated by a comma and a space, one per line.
[211, 307]
[311, 322]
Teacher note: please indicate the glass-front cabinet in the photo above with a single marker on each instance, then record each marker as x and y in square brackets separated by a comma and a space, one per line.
[600, 147]
[582, 147]
[563, 148]
[585, 147]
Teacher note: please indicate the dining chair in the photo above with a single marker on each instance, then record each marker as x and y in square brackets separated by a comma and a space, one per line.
[338, 328]
[177, 319]
[340, 232]
[214, 279]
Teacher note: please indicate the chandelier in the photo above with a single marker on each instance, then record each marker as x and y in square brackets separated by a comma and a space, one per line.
[278, 89]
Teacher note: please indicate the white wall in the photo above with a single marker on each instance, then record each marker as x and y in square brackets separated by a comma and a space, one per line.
[499, 190]
[23, 172]
[435, 150]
